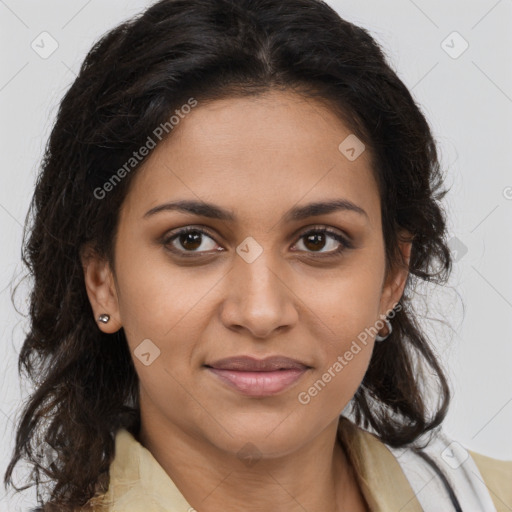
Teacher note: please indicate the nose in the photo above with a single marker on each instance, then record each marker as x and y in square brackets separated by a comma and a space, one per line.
[259, 298]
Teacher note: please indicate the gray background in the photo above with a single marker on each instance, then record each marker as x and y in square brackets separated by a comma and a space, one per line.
[467, 98]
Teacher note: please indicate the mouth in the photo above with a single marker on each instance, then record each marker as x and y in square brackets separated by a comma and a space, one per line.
[258, 377]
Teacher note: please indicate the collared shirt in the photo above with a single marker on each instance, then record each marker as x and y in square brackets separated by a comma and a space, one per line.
[139, 484]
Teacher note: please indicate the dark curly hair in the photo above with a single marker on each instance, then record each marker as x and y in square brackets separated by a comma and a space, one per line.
[133, 78]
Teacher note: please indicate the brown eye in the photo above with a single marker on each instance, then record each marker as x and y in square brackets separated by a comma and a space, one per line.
[318, 239]
[189, 240]
[315, 241]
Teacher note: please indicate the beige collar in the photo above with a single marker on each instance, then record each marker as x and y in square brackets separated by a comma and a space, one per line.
[384, 485]
[138, 482]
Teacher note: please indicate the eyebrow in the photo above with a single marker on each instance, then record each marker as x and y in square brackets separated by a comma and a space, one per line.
[296, 213]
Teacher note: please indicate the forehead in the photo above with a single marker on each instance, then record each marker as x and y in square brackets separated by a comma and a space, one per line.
[250, 154]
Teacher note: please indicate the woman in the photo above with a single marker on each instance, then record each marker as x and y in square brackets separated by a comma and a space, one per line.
[236, 202]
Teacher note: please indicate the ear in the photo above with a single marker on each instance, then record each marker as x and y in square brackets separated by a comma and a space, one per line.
[396, 277]
[101, 290]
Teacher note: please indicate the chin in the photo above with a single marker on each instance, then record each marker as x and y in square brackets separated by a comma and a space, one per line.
[270, 435]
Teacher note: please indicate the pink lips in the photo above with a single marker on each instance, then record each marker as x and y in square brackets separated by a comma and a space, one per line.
[258, 377]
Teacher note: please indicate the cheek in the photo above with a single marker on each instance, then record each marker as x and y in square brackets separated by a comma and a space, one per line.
[156, 298]
[344, 354]
[332, 386]
[349, 311]
[349, 302]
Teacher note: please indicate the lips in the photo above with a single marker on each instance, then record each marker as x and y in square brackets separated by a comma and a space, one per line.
[250, 364]
[258, 377]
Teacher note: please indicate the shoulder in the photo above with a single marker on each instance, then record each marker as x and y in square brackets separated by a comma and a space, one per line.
[138, 482]
[497, 476]
[439, 472]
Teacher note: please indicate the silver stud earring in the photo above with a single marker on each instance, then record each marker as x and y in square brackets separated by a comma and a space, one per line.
[104, 318]
[390, 330]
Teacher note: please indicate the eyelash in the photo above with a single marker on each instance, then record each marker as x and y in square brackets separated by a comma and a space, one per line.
[344, 242]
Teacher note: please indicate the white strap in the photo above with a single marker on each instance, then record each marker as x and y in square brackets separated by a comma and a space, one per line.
[459, 469]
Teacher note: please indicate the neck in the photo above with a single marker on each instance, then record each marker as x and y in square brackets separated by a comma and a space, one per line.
[317, 476]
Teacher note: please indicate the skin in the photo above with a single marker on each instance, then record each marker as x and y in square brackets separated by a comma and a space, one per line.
[257, 157]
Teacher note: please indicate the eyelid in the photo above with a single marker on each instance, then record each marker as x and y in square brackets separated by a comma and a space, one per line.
[321, 227]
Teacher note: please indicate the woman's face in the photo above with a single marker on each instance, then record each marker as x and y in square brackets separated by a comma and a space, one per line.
[253, 278]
